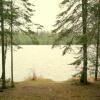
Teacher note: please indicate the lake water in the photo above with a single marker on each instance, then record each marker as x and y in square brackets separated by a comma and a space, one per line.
[43, 60]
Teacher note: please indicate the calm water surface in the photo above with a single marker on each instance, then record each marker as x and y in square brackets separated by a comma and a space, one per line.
[43, 60]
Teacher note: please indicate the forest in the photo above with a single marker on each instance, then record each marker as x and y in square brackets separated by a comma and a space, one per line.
[77, 24]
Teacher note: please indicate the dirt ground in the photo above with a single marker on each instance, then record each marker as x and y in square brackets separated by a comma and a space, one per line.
[49, 90]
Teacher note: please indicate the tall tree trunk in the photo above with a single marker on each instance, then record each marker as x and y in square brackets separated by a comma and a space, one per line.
[3, 50]
[83, 78]
[98, 42]
[11, 25]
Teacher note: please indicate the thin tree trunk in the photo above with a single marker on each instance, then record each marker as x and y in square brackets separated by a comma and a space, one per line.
[3, 53]
[98, 42]
[12, 82]
[84, 17]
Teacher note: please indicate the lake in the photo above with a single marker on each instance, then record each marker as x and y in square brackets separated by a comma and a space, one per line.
[43, 61]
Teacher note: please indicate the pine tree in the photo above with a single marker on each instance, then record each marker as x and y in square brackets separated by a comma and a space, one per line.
[11, 14]
[72, 23]
[97, 37]
[11, 25]
[2, 37]
[83, 78]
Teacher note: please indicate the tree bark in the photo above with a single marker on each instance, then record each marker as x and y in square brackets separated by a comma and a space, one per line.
[98, 42]
[3, 50]
[11, 25]
[83, 78]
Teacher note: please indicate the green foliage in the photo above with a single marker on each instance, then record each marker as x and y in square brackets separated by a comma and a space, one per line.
[24, 39]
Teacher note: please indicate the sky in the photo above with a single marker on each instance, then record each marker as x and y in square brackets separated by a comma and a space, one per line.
[46, 12]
